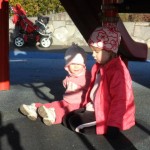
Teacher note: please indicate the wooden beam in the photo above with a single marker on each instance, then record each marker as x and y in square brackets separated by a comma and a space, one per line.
[4, 45]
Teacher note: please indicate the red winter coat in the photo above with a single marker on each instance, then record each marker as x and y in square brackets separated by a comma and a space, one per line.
[114, 99]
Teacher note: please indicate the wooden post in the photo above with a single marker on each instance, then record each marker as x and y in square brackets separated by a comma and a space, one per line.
[4, 45]
[110, 12]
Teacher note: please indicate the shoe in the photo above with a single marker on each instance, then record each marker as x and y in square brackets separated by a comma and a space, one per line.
[29, 110]
[48, 115]
[47, 121]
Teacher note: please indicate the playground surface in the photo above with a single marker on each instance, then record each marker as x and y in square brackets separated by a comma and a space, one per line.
[36, 76]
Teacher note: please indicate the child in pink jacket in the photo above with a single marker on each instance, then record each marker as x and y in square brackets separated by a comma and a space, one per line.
[76, 84]
[109, 103]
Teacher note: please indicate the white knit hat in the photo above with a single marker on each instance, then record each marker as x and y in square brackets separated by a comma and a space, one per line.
[75, 54]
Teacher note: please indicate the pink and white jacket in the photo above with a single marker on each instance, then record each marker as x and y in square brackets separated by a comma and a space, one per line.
[76, 87]
[114, 99]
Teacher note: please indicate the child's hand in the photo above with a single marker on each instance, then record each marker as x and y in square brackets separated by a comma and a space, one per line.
[72, 86]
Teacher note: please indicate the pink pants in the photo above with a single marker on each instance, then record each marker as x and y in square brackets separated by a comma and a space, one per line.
[61, 108]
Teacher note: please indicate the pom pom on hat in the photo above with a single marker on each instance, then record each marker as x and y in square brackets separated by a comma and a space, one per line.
[106, 38]
[75, 54]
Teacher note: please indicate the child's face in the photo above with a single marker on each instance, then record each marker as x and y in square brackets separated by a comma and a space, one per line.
[100, 56]
[75, 69]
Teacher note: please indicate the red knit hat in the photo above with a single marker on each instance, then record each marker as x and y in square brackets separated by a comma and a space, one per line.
[106, 38]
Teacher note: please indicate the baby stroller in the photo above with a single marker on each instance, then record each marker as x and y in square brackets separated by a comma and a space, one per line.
[29, 32]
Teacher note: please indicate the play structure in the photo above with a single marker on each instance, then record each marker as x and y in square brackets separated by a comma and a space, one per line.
[87, 15]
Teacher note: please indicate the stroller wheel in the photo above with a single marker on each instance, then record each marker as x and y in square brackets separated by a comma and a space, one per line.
[45, 42]
[19, 41]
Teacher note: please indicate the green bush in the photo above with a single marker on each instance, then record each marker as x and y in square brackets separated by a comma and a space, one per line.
[35, 7]
[135, 17]
[46, 7]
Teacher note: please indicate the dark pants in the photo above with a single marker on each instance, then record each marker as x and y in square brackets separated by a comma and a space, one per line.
[78, 117]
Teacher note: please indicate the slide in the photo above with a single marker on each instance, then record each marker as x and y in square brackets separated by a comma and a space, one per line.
[129, 48]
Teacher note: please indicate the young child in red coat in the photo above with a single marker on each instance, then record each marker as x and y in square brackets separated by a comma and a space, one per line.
[109, 103]
[76, 84]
